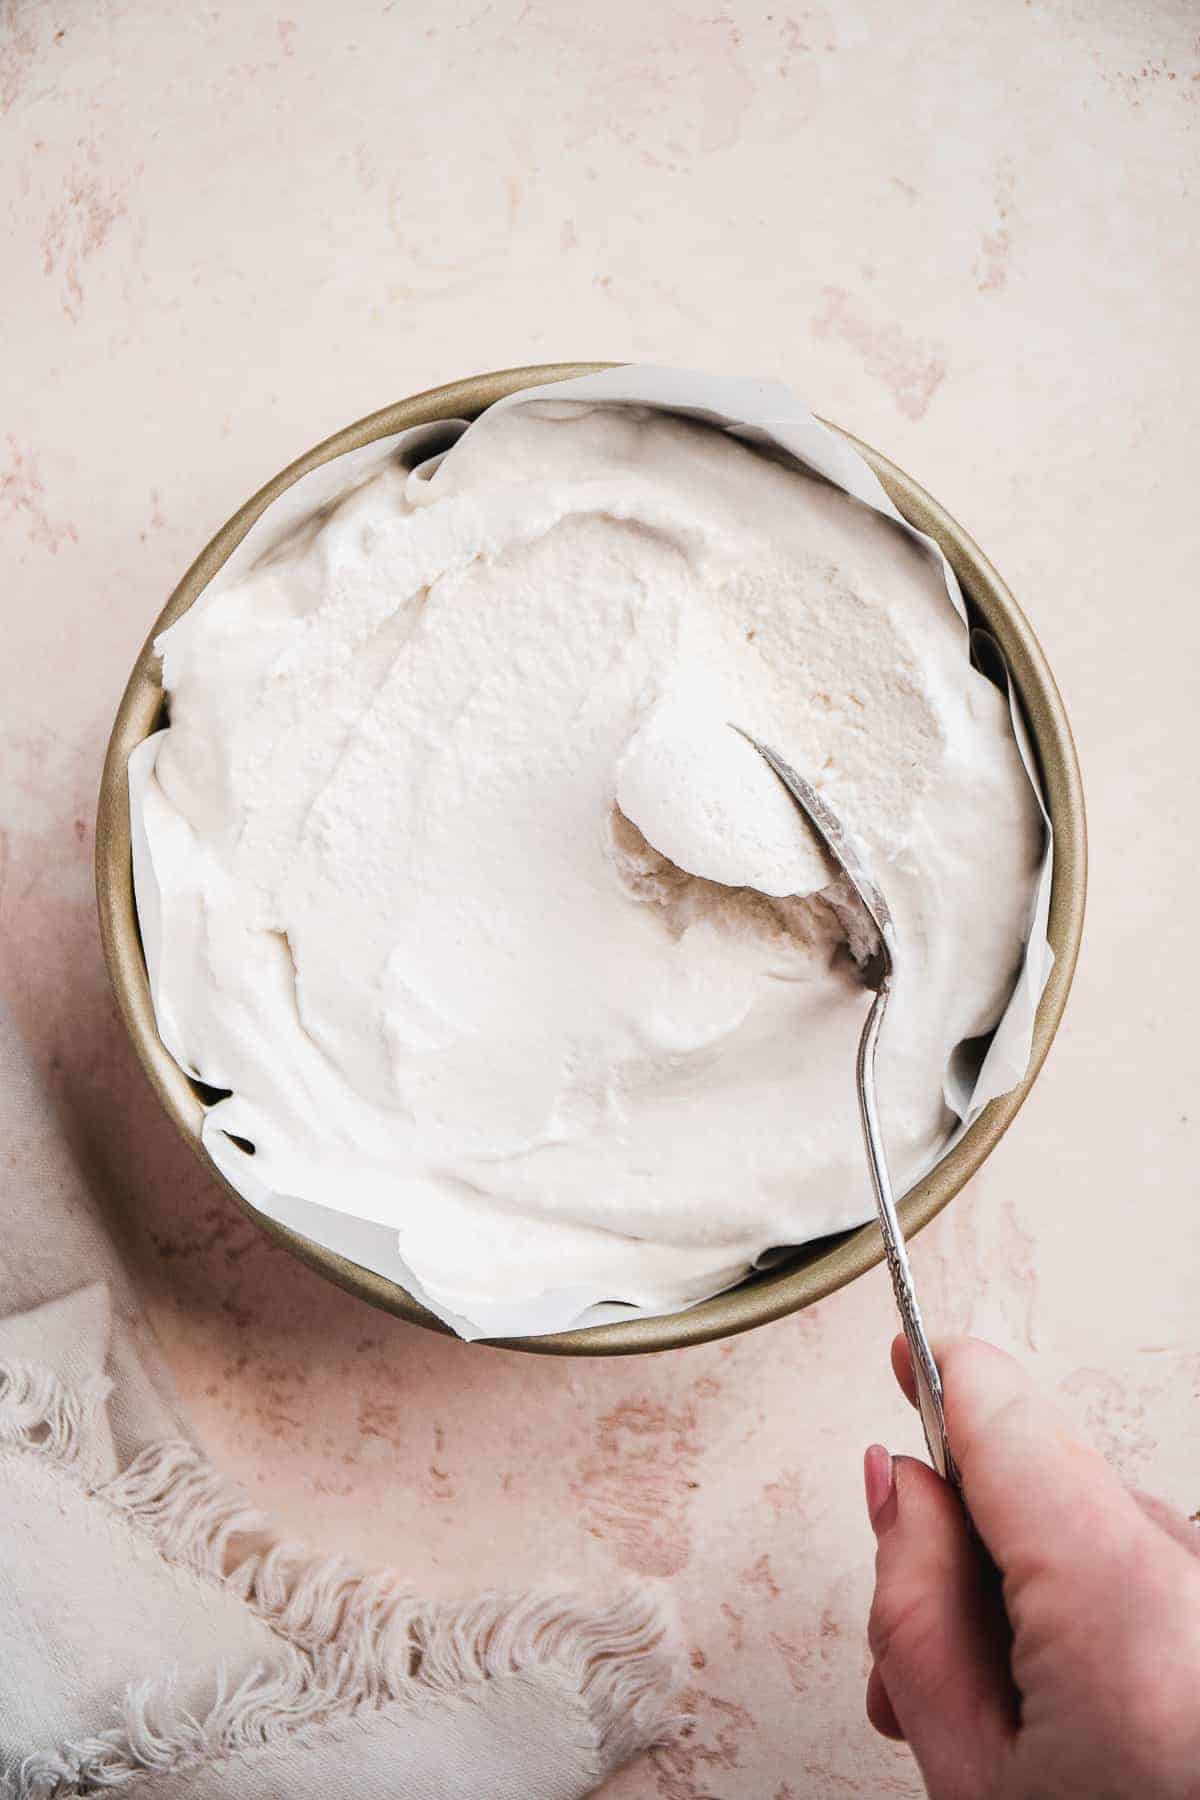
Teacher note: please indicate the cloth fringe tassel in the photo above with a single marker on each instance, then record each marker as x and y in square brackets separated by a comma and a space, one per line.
[351, 1641]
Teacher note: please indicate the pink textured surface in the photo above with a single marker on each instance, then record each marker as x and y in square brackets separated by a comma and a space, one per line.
[969, 236]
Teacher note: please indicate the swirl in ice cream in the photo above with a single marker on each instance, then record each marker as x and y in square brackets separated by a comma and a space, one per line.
[495, 931]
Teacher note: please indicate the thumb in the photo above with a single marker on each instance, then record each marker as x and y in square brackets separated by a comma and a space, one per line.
[1170, 1520]
[937, 1630]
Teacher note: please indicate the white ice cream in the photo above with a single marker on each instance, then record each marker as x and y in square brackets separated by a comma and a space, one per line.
[497, 932]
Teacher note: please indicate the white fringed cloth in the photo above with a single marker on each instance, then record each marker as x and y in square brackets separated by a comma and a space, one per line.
[156, 1638]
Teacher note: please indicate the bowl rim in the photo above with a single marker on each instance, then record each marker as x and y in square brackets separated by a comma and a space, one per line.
[819, 1269]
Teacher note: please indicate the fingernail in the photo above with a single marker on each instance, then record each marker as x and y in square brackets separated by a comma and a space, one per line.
[881, 1488]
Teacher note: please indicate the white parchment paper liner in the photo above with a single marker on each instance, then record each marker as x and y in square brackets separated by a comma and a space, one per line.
[759, 412]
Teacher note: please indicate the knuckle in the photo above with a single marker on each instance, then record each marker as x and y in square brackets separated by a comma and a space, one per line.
[900, 1623]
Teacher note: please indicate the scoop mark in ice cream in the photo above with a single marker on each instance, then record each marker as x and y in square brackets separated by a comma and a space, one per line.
[494, 930]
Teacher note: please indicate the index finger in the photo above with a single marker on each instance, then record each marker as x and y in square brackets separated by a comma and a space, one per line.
[1035, 1493]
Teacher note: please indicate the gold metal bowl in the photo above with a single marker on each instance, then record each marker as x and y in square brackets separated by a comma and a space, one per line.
[819, 1268]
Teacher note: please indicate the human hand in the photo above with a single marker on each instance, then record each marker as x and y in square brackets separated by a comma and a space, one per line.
[1069, 1667]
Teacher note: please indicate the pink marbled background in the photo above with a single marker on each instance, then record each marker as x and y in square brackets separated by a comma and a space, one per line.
[966, 231]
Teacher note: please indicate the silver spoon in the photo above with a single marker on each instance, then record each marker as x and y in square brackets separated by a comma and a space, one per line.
[838, 843]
